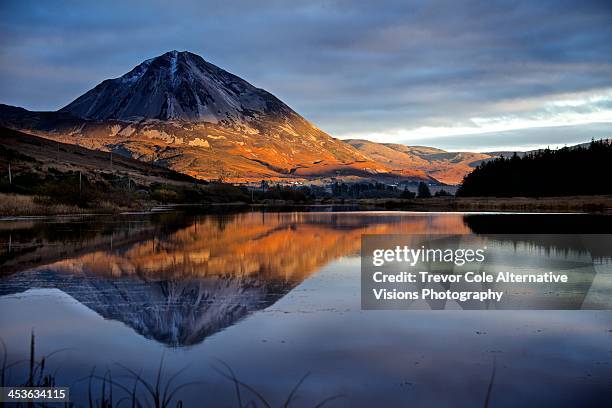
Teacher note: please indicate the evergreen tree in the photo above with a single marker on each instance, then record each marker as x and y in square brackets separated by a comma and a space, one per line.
[576, 170]
[424, 190]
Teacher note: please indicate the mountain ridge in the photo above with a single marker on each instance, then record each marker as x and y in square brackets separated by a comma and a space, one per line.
[445, 167]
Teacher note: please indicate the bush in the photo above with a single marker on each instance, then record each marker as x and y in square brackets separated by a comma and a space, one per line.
[221, 192]
[66, 190]
[165, 195]
[442, 193]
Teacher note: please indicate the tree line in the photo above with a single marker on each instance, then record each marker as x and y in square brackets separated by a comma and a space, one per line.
[576, 170]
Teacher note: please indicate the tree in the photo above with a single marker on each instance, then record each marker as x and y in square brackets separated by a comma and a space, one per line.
[424, 190]
[576, 170]
[264, 185]
[407, 193]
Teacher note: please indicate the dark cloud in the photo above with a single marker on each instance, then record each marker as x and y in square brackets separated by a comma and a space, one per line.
[351, 67]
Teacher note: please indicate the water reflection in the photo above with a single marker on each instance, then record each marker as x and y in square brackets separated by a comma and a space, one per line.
[178, 279]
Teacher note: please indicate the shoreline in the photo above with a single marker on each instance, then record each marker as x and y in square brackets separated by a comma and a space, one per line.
[25, 207]
[570, 204]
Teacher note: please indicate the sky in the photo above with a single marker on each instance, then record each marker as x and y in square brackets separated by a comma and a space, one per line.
[459, 75]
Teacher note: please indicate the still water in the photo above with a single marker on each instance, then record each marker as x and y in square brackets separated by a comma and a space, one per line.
[274, 297]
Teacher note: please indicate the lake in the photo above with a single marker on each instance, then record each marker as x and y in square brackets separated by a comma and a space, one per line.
[274, 298]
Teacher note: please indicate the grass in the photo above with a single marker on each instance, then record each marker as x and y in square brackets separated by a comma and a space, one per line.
[13, 205]
[487, 400]
[258, 396]
[158, 394]
[37, 376]
[162, 392]
[16, 204]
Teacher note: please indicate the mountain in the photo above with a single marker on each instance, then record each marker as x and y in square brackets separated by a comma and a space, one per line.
[446, 167]
[181, 86]
[182, 112]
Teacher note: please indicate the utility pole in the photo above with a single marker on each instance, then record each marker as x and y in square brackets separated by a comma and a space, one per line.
[10, 175]
[80, 182]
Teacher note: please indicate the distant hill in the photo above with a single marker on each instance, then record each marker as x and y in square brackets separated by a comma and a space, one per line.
[446, 167]
[575, 170]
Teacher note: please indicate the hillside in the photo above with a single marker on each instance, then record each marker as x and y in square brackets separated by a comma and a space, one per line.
[446, 167]
[60, 173]
[40, 155]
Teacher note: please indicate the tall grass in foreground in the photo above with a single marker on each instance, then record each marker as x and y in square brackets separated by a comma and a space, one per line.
[104, 391]
[239, 386]
[158, 394]
[490, 386]
[37, 374]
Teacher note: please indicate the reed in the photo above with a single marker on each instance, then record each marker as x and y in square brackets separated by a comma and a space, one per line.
[490, 386]
[104, 391]
[257, 396]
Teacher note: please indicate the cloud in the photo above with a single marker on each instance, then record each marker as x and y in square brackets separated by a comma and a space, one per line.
[519, 139]
[352, 67]
[555, 115]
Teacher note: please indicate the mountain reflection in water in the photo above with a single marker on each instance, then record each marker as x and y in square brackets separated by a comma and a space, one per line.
[178, 279]
[135, 288]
